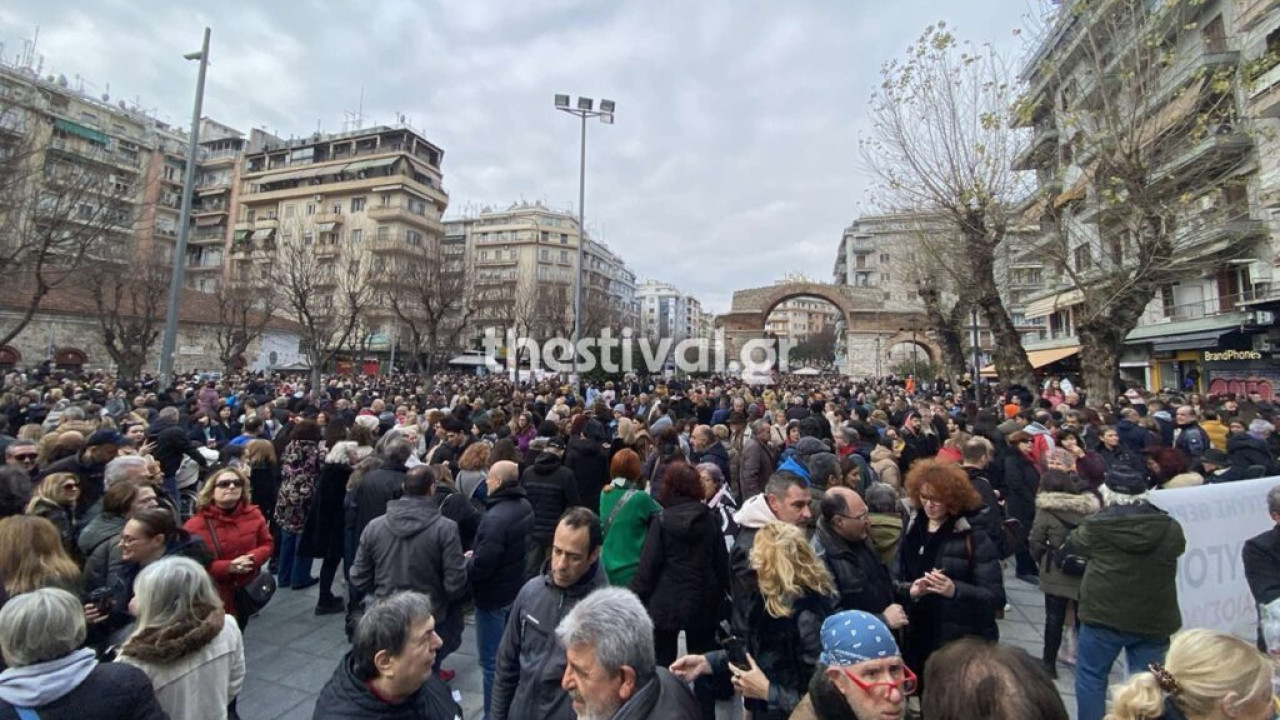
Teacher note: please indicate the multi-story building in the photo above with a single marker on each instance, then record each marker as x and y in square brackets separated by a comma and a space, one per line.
[799, 318]
[369, 198]
[524, 260]
[1201, 109]
[666, 312]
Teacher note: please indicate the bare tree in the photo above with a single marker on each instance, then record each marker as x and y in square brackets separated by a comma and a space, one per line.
[60, 202]
[243, 314]
[941, 143]
[327, 290]
[429, 291]
[129, 303]
[1144, 157]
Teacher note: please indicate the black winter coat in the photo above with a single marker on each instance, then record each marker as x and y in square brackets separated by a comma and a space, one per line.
[786, 649]
[589, 462]
[862, 581]
[265, 481]
[1245, 451]
[551, 489]
[683, 574]
[322, 536]
[112, 691]
[1021, 481]
[972, 563]
[346, 697]
[1261, 556]
[460, 510]
[496, 567]
[376, 489]
[988, 519]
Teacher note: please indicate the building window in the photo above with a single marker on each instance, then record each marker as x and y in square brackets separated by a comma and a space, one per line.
[288, 211]
[311, 209]
[357, 204]
[413, 237]
[384, 233]
[308, 238]
[564, 256]
[564, 239]
[884, 258]
[1083, 261]
[355, 236]
[417, 207]
[384, 200]
[336, 209]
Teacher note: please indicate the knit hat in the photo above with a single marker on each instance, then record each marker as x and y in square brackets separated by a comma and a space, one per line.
[1126, 480]
[853, 637]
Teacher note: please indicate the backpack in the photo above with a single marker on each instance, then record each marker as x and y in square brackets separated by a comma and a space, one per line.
[1062, 558]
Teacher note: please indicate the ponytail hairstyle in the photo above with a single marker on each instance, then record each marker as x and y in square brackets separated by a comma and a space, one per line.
[1202, 670]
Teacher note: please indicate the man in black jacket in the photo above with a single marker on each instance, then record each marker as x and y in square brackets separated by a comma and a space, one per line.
[171, 445]
[862, 581]
[381, 486]
[989, 518]
[1261, 556]
[552, 489]
[530, 661]
[90, 464]
[387, 673]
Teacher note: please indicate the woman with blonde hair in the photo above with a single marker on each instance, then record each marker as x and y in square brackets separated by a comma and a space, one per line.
[1207, 675]
[55, 500]
[32, 557]
[184, 642]
[231, 526]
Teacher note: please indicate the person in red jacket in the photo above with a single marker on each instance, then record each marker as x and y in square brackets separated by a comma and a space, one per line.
[235, 530]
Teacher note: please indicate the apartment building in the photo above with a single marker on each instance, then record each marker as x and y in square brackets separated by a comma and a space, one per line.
[666, 312]
[799, 318]
[373, 197]
[522, 263]
[1205, 100]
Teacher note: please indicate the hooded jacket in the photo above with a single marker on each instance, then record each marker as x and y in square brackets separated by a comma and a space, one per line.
[192, 668]
[755, 514]
[885, 534]
[376, 489]
[590, 466]
[1133, 437]
[347, 697]
[530, 661]
[496, 567]
[412, 547]
[1246, 450]
[551, 490]
[1129, 583]
[1056, 515]
[664, 697]
[76, 687]
[684, 569]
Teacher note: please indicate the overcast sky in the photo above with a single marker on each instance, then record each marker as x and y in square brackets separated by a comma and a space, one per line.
[733, 160]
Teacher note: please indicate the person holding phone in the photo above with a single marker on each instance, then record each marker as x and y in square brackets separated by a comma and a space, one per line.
[952, 574]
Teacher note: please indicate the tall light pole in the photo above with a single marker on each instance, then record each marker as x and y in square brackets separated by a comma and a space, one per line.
[583, 111]
[167, 348]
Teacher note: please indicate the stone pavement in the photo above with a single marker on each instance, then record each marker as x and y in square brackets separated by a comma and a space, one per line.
[290, 654]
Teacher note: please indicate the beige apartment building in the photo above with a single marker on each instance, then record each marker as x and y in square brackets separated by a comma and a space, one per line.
[799, 318]
[522, 267]
[373, 196]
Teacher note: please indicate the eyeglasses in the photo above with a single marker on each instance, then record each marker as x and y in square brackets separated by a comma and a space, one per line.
[906, 684]
[25, 457]
[126, 541]
[225, 484]
[70, 485]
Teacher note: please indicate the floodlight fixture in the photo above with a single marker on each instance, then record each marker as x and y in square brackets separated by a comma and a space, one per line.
[584, 104]
[562, 101]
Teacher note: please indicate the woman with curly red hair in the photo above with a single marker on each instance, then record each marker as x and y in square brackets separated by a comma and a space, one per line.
[952, 574]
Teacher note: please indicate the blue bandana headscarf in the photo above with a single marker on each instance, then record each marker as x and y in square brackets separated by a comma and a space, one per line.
[854, 636]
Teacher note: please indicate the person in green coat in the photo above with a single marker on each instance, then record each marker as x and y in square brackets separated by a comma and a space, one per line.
[625, 510]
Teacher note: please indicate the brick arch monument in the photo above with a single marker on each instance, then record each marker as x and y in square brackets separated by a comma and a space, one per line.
[872, 324]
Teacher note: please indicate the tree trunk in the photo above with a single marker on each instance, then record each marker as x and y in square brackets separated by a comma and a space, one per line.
[433, 340]
[947, 331]
[1100, 345]
[1010, 359]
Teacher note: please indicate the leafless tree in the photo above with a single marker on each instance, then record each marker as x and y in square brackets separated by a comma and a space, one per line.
[941, 143]
[129, 304]
[327, 289]
[61, 202]
[1143, 154]
[427, 292]
[243, 314]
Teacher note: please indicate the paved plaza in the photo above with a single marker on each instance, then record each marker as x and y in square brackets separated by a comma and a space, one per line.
[291, 653]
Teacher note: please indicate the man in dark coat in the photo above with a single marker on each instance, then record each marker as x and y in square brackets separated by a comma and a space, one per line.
[382, 485]
[388, 672]
[917, 444]
[862, 581]
[90, 464]
[496, 566]
[758, 461]
[551, 490]
[588, 458]
[1261, 556]
[708, 449]
[531, 663]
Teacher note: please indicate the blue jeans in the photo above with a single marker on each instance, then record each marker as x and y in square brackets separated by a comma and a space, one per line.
[1097, 652]
[490, 625]
[294, 568]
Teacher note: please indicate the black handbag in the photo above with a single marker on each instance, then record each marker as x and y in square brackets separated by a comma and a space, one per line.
[251, 598]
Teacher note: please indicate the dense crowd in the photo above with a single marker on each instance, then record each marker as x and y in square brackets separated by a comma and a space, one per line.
[817, 547]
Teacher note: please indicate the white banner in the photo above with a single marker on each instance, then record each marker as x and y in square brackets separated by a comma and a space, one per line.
[1217, 520]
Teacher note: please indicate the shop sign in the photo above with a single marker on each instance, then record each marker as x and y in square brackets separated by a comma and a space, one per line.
[1231, 355]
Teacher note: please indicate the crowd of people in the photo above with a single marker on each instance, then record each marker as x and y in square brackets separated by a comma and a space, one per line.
[641, 548]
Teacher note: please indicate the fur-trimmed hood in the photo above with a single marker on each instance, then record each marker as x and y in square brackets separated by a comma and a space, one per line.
[1084, 503]
[175, 641]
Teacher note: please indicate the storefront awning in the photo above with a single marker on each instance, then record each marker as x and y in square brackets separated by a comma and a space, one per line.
[81, 131]
[1189, 341]
[375, 164]
[1047, 306]
[325, 227]
[264, 234]
[241, 235]
[208, 221]
[1040, 358]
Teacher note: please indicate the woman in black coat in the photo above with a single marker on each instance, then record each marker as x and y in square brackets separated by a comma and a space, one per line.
[952, 573]
[1021, 481]
[684, 570]
[323, 536]
[588, 458]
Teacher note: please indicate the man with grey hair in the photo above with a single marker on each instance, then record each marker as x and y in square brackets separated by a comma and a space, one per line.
[758, 461]
[41, 634]
[387, 673]
[1261, 556]
[611, 673]
[382, 484]
[1251, 452]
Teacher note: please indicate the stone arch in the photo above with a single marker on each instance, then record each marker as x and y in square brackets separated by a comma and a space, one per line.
[9, 356]
[922, 340]
[69, 356]
[792, 291]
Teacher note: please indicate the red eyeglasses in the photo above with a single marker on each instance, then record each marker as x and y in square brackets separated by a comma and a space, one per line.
[906, 684]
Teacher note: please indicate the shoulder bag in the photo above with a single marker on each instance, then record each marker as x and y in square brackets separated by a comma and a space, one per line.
[251, 598]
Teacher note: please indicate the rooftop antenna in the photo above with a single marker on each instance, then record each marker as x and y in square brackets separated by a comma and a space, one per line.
[355, 119]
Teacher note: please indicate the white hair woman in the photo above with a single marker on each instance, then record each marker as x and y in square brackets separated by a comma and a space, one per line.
[184, 641]
[41, 634]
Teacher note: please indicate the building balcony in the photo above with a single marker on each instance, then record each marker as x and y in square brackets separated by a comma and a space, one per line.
[203, 265]
[1043, 143]
[334, 218]
[259, 224]
[1214, 232]
[326, 249]
[401, 213]
[207, 238]
[1250, 12]
[861, 244]
[498, 262]
[394, 243]
[1264, 98]
[1186, 167]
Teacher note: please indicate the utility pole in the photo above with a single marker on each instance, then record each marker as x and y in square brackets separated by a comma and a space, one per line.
[168, 347]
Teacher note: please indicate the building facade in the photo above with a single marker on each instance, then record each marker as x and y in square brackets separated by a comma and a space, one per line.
[800, 318]
[666, 312]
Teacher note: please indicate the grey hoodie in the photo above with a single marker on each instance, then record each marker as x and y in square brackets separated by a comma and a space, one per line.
[38, 685]
[412, 547]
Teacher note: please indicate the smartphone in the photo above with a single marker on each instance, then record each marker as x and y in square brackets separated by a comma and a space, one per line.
[103, 600]
[736, 652]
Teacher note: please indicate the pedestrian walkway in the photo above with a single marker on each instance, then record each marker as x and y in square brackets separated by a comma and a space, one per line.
[290, 653]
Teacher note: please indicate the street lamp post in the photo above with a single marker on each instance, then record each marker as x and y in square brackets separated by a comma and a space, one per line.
[583, 111]
[168, 347]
